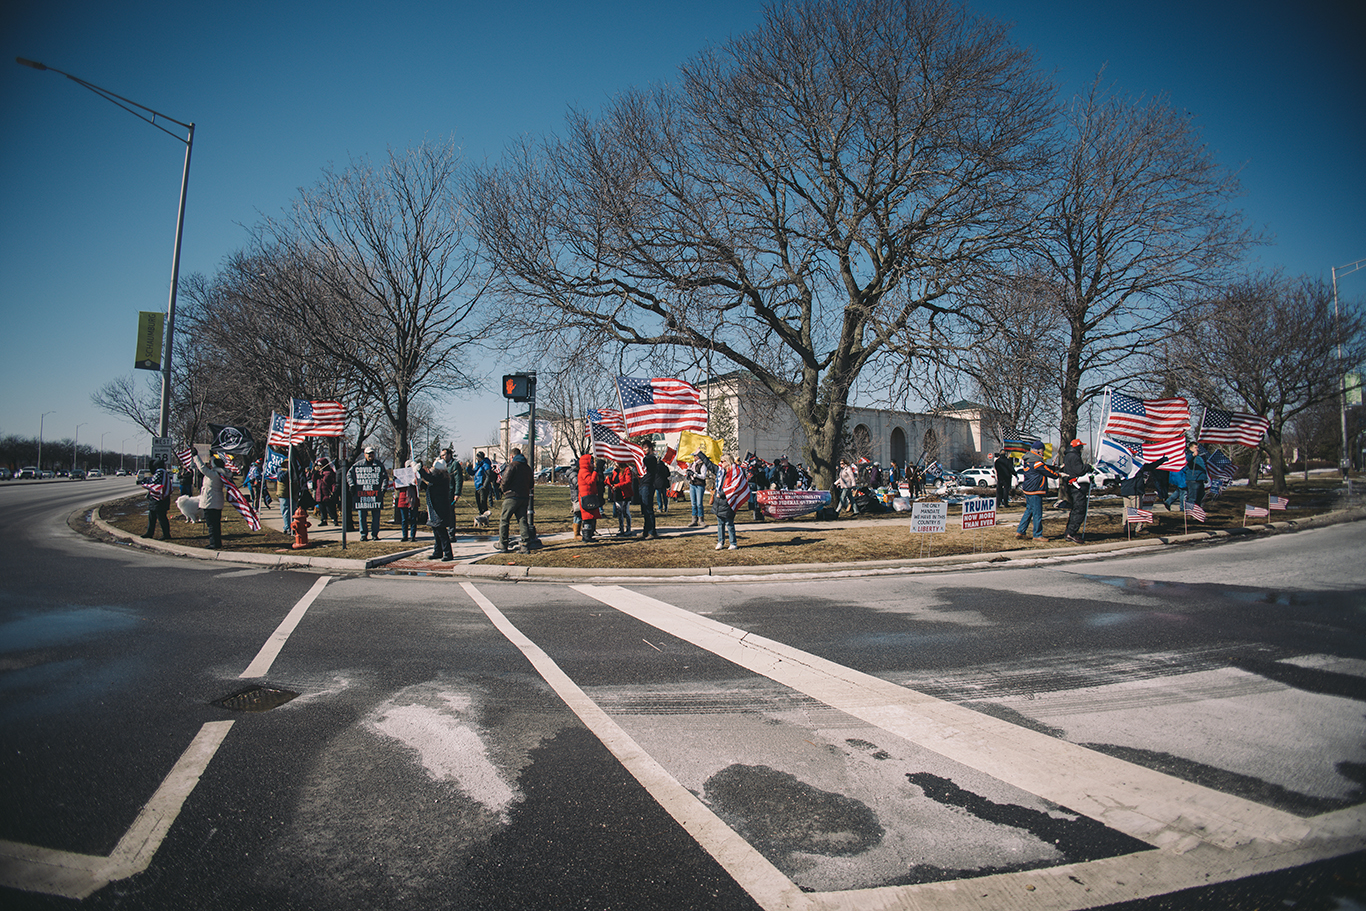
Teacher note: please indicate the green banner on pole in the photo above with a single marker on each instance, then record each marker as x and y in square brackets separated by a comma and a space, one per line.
[151, 325]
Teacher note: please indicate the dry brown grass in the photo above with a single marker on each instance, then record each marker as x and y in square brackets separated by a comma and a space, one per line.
[804, 540]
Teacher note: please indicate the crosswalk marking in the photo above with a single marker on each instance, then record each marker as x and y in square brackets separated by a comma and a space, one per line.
[1203, 836]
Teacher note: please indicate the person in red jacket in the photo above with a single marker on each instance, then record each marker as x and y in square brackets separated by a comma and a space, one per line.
[591, 485]
[622, 486]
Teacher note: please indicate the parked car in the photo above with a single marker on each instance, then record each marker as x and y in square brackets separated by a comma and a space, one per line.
[977, 477]
[94, 474]
[121, 473]
[28, 472]
[5, 474]
[47, 473]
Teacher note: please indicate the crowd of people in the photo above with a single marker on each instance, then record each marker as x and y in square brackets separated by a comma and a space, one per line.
[707, 486]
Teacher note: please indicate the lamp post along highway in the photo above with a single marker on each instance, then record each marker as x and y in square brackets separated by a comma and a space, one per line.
[40, 442]
[76, 439]
[1342, 405]
[188, 139]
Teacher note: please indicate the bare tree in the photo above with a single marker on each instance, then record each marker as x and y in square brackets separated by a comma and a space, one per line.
[811, 200]
[1137, 215]
[1009, 370]
[124, 398]
[1273, 347]
[382, 276]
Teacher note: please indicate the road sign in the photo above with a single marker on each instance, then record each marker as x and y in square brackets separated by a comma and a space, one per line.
[161, 448]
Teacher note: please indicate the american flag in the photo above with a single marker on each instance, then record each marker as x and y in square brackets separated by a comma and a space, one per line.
[280, 434]
[159, 487]
[241, 504]
[1174, 449]
[609, 418]
[1278, 502]
[318, 419]
[1195, 512]
[735, 487]
[660, 406]
[607, 445]
[186, 459]
[1137, 516]
[1256, 512]
[1220, 466]
[1219, 426]
[1147, 419]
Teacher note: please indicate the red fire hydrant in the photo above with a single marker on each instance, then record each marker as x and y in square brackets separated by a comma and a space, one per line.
[300, 526]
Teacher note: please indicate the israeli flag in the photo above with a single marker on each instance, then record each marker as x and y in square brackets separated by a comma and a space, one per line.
[1112, 458]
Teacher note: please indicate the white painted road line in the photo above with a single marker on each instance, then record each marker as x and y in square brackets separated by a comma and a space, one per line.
[71, 875]
[260, 665]
[764, 882]
[1203, 836]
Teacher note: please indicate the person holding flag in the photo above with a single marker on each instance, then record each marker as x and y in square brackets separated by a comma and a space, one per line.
[211, 497]
[158, 500]
[729, 492]
[1035, 487]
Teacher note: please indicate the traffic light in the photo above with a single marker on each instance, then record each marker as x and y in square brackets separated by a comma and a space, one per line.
[520, 387]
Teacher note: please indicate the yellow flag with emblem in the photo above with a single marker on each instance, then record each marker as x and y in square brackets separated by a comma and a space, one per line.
[689, 443]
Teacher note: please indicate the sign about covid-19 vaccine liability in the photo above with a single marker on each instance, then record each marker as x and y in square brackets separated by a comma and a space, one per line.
[979, 513]
[929, 517]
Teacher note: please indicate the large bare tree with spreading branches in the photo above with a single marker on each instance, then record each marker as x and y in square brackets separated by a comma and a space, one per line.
[1137, 215]
[376, 264]
[1270, 346]
[810, 200]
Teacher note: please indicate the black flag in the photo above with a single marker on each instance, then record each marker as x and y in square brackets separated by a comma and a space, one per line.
[231, 440]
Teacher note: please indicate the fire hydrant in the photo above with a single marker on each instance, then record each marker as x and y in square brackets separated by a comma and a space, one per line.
[300, 526]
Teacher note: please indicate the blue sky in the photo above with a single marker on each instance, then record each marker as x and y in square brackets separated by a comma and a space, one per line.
[279, 91]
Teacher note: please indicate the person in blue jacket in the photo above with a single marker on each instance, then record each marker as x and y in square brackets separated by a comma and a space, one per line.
[1035, 488]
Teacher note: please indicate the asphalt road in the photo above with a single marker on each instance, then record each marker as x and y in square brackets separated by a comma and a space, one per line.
[1179, 729]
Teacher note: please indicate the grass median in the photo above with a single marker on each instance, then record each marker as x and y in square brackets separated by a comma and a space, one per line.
[797, 541]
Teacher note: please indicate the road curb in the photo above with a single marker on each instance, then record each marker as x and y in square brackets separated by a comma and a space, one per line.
[517, 573]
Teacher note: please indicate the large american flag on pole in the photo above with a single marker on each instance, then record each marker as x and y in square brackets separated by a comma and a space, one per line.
[1146, 419]
[317, 419]
[660, 406]
[607, 445]
[1219, 426]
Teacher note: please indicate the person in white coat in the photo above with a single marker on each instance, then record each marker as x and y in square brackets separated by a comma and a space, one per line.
[211, 497]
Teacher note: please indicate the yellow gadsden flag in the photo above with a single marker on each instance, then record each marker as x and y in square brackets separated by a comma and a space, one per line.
[689, 443]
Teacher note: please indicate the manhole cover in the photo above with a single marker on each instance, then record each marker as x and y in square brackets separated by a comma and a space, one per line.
[255, 699]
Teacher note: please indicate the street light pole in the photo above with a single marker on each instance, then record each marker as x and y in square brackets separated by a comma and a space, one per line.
[74, 441]
[1342, 405]
[102, 436]
[180, 217]
[40, 443]
[122, 449]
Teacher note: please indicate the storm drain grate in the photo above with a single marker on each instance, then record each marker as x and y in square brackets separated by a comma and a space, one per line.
[255, 699]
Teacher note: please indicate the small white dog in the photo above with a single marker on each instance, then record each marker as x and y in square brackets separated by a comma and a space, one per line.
[189, 508]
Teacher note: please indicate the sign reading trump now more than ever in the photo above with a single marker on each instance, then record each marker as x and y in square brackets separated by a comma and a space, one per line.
[979, 513]
[929, 517]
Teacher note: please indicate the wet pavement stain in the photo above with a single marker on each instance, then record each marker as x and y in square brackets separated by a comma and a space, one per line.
[1077, 838]
[1246, 786]
[778, 813]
